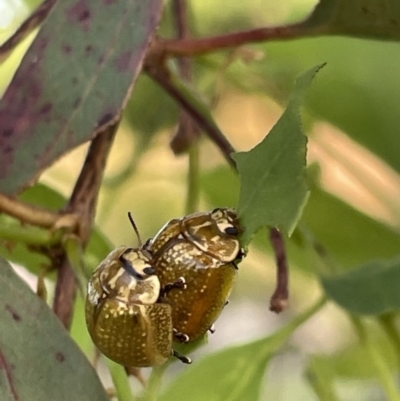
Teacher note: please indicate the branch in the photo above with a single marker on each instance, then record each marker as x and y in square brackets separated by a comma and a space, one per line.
[30, 214]
[194, 107]
[83, 203]
[193, 47]
[279, 299]
[187, 132]
[32, 22]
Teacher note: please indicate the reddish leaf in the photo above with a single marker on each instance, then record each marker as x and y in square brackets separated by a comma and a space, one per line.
[72, 83]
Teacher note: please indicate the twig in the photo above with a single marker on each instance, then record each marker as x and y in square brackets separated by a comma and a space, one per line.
[192, 47]
[187, 132]
[280, 297]
[185, 139]
[176, 92]
[83, 203]
[29, 214]
[32, 22]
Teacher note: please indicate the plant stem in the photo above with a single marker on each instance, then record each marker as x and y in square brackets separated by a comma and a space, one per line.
[73, 250]
[121, 381]
[280, 297]
[192, 47]
[321, 384]
[387, 322]
[197, 109]
[382, 370]
[29, 214]
[82, 203]
[193, 190]
[28, 235]
[154, 382]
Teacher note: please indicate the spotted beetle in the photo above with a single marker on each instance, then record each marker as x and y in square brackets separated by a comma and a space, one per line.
[125, 316]
[204, 248]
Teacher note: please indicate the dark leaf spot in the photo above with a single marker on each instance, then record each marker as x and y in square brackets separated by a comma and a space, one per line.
[46, 108]
[7, 132]
[88, 49]
[80, 13]
[60, 356]
[66, 48]
[13, 313]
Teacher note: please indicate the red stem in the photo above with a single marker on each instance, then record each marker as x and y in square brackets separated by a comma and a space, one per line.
[191, 47]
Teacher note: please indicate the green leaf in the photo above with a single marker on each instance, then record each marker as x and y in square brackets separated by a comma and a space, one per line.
[371, 289]
[72, 83]
[273, 178]
[38, 359]
[365, 18]
[210, 184]
[236, 373]
[336, 225]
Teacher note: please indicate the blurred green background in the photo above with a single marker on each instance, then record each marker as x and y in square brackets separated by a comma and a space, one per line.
[352, 120]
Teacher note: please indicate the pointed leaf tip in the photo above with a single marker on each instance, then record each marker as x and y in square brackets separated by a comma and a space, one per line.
[273, 190]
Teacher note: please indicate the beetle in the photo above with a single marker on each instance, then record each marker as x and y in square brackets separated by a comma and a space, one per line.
[205, 250]
[125, 316]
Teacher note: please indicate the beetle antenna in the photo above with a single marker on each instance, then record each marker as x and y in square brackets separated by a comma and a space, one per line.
[135, 228]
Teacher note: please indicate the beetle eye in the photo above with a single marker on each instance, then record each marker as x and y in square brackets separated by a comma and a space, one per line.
[231, 230]
[149, 271]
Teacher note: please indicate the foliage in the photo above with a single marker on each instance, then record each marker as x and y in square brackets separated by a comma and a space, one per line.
[339, 216]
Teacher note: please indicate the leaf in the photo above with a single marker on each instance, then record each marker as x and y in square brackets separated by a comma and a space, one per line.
[236, 373]
[336, 225]
[365, 18]
[371, 289]
[38, 359]
[210, 184]
[273, 178]
[72, 83]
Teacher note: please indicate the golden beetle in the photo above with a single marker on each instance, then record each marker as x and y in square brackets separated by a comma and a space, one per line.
[204, 249]
[124, 315]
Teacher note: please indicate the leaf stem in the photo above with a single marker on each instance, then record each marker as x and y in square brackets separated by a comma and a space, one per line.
[121, 381]
[28, 235]
[280, 297]
[73, 250]
[193, 187]
[382, 370]
[321, 384]
[154, 382]
[29, 214]
[196, 108]
[388, 324]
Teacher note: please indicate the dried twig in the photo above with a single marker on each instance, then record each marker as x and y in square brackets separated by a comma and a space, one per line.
[83, 203]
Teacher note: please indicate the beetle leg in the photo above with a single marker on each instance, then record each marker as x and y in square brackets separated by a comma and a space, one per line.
[212, 329]
[226, 303]
[181, 357]
[182, 337]
[180, 283]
